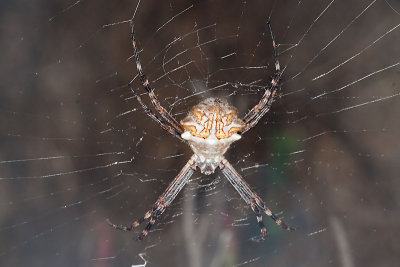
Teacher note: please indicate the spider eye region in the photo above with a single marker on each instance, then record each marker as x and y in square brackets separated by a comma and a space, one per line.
[212, 117]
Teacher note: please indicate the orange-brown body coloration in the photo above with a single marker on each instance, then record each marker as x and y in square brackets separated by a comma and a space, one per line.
[212, 116]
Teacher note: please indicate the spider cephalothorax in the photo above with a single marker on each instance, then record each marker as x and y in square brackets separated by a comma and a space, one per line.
[209, 128]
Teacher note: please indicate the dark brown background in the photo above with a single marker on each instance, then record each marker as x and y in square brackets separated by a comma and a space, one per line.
[332, 173]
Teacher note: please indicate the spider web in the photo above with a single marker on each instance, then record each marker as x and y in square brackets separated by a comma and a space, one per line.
[77, 148]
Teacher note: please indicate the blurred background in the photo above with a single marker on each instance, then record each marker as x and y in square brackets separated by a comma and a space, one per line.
[76, 148]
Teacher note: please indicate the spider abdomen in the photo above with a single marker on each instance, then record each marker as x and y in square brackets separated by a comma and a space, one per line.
[212, 116]
[210, 128]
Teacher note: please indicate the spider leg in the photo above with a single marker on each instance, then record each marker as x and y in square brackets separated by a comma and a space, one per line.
[158, 209]
[133, 225]
[163, 201]
[151, 114]
[143, 78]
[258, 111]
[261, 205]
[250, 197]
[259, 218]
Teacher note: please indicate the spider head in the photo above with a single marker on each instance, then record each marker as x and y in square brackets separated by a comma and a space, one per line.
[212, 117]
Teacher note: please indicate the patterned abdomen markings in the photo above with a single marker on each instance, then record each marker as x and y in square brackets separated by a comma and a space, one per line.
[212, 116]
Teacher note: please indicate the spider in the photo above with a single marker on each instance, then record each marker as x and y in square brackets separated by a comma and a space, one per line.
[209, 128]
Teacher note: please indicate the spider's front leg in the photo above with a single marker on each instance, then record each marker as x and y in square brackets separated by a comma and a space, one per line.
[146, 84]
[163, 201]
[151, 114]
[250, 197]
[258, 111]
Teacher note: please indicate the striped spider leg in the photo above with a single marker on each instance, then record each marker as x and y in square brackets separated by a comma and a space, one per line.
[155, 102]
[154, 116]
[250, 197]
[163, 201]
[258, 111]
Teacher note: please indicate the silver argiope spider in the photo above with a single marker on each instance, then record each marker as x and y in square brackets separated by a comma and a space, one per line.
[209, 128]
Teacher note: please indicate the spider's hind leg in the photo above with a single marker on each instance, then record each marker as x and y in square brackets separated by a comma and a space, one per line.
[134, 224]
[254, 207]
[250, 197]
[260, 203]
[158, 209]
[163, 201]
